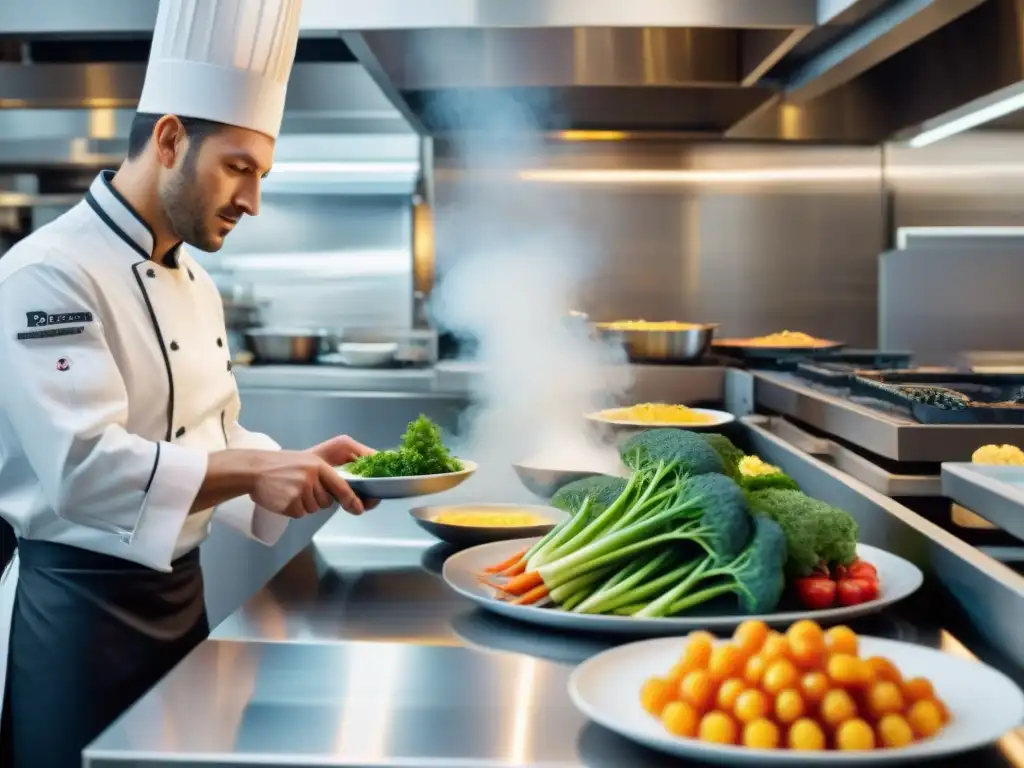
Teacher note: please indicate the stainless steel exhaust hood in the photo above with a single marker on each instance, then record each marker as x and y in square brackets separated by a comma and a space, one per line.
[746, 69]
[851, 71]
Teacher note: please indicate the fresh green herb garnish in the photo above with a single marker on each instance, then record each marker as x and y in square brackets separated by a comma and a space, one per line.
[422, 452]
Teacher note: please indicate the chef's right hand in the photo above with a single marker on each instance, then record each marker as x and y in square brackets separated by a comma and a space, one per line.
[300, 483]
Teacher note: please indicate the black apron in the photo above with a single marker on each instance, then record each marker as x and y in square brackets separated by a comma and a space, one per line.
[90, 635]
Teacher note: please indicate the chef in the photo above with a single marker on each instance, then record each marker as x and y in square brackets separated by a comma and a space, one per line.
[120, 439]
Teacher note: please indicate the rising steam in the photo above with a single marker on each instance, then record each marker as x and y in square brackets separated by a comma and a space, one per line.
[514, 270]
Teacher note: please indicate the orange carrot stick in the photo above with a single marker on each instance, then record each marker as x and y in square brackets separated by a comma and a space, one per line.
[516, 570]
[535, 595]
[520, 585]
[505, 564]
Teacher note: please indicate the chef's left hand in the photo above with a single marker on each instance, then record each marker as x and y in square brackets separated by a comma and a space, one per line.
[341, 450]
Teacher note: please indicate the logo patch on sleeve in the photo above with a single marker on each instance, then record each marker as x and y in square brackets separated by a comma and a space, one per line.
[39, 319]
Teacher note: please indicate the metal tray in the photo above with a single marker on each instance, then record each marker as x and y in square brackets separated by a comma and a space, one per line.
[987, 397]
[836, 371]
[876, 427]
[866, 471]
[773, 355]
[995, 493]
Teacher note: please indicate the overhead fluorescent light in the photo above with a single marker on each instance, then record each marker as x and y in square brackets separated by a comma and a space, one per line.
[971, 115]
[719, 176]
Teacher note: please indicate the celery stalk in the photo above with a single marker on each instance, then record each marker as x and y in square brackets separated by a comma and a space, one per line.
[616, 546]
[643, 593]
[637, 571]
[662, 606]
[547, 552]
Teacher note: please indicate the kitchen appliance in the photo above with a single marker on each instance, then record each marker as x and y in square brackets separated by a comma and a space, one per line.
[286, 346]
[661, 346]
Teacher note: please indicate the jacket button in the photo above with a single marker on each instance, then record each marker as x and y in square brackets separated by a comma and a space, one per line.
[190, 275]
[174, 346]
[230, 366]
[180, 432]
[150, 273]
[220, 342]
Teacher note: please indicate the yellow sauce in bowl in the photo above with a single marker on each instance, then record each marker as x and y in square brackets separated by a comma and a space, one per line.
[484, 517]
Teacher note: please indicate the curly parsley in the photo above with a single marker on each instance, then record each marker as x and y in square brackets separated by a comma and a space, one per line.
[422, 452]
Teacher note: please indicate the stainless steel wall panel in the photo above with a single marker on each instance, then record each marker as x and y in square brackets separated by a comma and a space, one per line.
[757, 238]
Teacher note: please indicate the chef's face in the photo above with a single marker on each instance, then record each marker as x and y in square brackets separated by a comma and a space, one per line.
[213, 182]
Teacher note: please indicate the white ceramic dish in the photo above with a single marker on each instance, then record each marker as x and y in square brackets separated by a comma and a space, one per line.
[984, 704]
[366, 354]
[898, 578]
[719, 419]
[407, 487]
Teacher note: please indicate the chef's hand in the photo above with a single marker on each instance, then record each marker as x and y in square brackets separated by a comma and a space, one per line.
[341, 450]
[300, 483]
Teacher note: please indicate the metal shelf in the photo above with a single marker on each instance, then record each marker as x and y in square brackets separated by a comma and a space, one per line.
[994, 493]
[885, 433]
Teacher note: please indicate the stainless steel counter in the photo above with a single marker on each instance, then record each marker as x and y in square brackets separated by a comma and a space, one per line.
[686, 384]
[358, 655]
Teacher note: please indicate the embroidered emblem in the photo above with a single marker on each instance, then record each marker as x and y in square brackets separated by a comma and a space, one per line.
[42, 319]
[50, 333]
[63, 364]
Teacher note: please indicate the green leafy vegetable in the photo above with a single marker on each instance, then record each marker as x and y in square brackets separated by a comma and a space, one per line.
[602, 490]
[755, 576]
[727, 452]
[670, 541]
[422, 452]
[690, 452]
[815, 532]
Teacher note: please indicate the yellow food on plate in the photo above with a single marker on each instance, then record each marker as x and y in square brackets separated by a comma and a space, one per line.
[805, 689]
[656, 413]
[645, 325]
[779, 339]
[490, 518]
[1005, 455]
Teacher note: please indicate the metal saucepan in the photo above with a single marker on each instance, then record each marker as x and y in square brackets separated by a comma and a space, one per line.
[287, 346]
[679, 346]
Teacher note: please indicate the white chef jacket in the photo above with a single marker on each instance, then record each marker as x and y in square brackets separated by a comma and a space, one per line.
[115, 386]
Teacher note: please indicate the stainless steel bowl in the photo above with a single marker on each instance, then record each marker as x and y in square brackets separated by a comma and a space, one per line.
[663, 346]
[471, 536]
[286, 346]
[544, 482]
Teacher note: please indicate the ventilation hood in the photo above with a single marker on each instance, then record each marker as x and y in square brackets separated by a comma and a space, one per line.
[850, 71]
[816, 70]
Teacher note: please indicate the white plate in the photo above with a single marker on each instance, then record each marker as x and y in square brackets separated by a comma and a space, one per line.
[720, 418]
[984, 704]
[407, 487]
[898, 579]
[359, 354]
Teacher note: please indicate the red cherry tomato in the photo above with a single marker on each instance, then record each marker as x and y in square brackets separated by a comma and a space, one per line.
[816, 592]
[857, 591]
[862, 570]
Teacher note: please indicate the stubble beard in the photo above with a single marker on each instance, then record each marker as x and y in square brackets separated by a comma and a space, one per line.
[186, 209]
